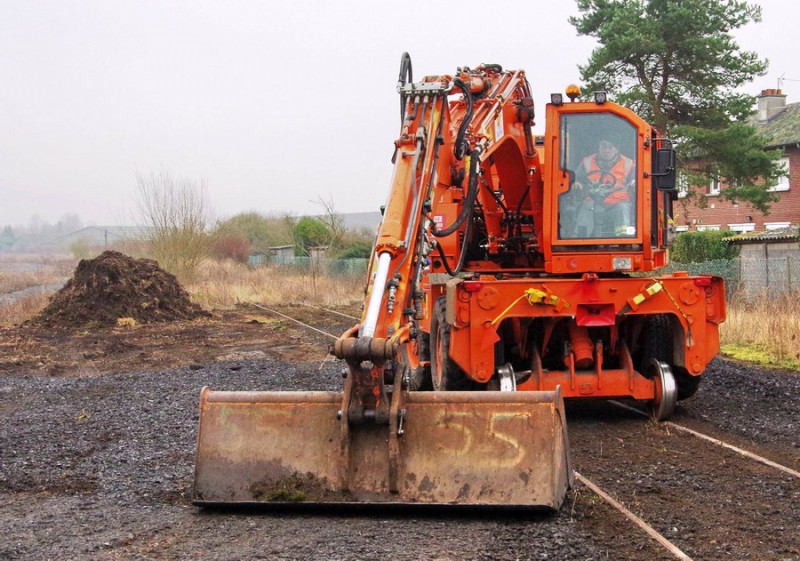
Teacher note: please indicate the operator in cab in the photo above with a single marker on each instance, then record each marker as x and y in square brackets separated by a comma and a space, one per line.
[603, 181]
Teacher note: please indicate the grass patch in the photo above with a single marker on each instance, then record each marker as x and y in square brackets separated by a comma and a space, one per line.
[223, 284]
[23, 308]
[763, 330]
[757, 354]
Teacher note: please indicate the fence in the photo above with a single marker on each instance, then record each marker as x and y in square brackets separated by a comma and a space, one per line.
[728, 269]
[749, 276]
[330, 267]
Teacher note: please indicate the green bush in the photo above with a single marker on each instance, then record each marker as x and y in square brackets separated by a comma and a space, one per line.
[261, 231]
[355, 250]
[698, 247]
[310, 232]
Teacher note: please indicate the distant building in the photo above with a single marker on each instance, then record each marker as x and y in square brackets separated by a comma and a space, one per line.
[779, 122]
[362, 220]
[355, 221]
[93, 238]
[281, 252]
[768, 261]
[318, 252]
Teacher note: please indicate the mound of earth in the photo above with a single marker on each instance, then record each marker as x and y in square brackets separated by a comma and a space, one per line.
[113, 286]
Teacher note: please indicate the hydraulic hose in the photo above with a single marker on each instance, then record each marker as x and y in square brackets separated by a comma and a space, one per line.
[461, 141]
[469, 200]
[466, 213]
[518, 216]
[496, 198]
[461, 257]
[405, 77]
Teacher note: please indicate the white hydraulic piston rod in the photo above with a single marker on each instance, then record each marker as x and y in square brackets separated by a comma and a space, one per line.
[376, 296]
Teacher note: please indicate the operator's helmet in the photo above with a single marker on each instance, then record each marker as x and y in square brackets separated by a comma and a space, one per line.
[608, 143]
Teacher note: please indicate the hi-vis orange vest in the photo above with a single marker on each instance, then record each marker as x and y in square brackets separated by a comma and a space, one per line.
[619, 171]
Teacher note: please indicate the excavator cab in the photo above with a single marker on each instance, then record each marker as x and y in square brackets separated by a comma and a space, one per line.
[612, 183]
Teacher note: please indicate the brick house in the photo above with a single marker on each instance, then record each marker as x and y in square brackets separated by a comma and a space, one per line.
[780, 123]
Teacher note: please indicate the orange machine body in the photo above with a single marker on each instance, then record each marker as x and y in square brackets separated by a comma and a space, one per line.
[504, 278]
[497, 231]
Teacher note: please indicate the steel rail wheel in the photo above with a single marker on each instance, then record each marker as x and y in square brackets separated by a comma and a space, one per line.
[666, 390]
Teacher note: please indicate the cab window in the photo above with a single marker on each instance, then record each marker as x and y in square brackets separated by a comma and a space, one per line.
[598, 156]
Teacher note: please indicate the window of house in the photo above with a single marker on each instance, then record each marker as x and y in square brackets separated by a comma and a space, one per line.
[776, 225]
[683, 228]
[741, 228]
[783, 181]
[714, 187]
[706, 227]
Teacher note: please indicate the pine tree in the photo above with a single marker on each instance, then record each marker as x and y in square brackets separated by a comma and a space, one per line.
[676, 63]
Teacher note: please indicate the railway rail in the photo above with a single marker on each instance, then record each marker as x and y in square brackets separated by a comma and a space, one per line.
[681, 463]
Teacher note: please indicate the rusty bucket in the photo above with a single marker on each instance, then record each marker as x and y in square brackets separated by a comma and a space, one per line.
[459, 448]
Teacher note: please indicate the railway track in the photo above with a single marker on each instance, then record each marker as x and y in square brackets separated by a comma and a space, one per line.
[697, 495]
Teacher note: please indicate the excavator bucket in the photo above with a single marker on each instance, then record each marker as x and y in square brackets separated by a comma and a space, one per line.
[459, 448]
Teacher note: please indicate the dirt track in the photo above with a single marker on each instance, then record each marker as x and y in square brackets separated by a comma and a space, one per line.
[100, 466]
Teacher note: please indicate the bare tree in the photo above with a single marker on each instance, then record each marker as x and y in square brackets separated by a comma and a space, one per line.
[175, 217]
[332, 219]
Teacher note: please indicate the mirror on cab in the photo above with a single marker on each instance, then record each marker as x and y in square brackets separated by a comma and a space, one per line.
[664, 169]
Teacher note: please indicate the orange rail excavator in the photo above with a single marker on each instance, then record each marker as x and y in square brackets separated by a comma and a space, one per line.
[510, 272]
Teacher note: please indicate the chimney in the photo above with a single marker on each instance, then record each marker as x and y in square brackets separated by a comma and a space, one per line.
[770, 103]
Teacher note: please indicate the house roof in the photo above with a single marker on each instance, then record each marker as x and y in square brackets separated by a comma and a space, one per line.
[780, 234]
[783, 128]
[117, 232]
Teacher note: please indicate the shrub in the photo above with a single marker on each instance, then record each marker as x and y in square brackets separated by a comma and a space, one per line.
[310, 232]
[698, 247]
[261, 231]
[355, 250]
[235, 248]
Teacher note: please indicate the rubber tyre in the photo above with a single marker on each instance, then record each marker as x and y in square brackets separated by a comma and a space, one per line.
[446, 375]
[656, 342]
[687, 384]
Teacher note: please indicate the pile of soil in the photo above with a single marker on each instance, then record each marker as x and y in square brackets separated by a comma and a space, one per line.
[113, 286]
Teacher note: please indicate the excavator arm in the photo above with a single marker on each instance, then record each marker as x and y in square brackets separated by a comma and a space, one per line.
[464, 159]
[465, 167]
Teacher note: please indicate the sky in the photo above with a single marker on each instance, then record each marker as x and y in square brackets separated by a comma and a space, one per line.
[275, 106]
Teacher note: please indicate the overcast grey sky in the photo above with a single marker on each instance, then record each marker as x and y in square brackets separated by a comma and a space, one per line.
[274, 104]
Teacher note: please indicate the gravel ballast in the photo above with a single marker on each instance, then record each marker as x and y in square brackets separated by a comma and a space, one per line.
[101, 468]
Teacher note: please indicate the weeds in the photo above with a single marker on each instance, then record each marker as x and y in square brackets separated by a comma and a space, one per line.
[27, 282]
[17, 310]
[763, 329]
[18, 272]
[225, 284]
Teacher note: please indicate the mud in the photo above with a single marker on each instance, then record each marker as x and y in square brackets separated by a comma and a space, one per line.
[114, 287]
